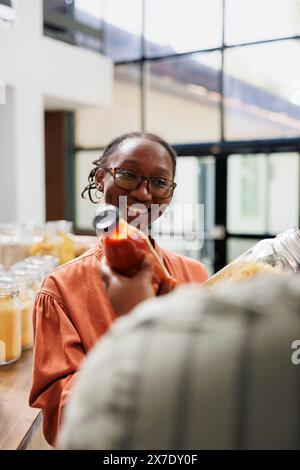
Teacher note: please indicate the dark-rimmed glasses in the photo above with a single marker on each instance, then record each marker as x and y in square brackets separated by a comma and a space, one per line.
[130, 180]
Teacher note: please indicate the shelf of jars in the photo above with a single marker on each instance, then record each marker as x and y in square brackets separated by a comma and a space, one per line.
[27, 254]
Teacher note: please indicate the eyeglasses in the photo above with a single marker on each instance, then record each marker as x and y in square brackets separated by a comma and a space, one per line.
[130, 180]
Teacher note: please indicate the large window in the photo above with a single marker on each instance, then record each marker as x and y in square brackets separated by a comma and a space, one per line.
[174, 26]
[262, 198]
[263, 193]
[205, 73]
[123, 29]
[220, 80]
[78, 22]
[258, 20]
[263, 101]
[182, 98]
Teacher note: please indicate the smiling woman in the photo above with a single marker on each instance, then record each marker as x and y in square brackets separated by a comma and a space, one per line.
[130, 157]
[72, 309]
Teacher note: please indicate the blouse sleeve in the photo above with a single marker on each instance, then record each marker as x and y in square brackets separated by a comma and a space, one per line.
[58, 352]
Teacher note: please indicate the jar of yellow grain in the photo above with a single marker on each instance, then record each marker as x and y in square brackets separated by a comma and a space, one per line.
[271, 255]
[26, 297]
[10, 324]
[57, 242]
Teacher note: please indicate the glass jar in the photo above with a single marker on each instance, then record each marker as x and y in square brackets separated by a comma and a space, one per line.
[271, 255]
[10, 323]
[33, 272]
[26, 297]
[11, 247]
[57, 241]
[43, 263]
[50, 262]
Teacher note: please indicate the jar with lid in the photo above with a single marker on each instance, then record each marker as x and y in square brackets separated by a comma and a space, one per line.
[271, 255]
[26, 296]
[14, 244]
[10, 323]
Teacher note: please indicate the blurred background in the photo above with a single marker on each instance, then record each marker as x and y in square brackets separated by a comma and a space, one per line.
[218, 79]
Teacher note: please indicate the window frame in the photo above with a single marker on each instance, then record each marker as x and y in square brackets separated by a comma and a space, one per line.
[219, 149]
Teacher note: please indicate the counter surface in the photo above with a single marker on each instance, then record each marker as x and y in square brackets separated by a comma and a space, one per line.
[18, 421]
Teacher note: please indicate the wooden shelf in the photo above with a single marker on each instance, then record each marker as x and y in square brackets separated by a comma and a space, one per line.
[19, 424]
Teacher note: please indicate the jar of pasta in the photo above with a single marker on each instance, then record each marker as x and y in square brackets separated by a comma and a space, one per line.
[57, 242]
[61, 231]
[26, 297]
[10, 323]
[271, 255]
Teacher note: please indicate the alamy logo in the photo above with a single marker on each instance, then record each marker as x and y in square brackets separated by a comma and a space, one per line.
[2, 93]
[296, 354]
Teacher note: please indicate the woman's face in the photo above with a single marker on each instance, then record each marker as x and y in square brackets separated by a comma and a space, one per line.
[142, 156]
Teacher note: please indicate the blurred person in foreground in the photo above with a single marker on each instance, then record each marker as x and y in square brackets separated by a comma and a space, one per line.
[72, 310]
[220, 372]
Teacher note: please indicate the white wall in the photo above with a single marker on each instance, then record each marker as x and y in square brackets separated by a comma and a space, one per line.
[57, 69]
[7, 165]
[38, 70]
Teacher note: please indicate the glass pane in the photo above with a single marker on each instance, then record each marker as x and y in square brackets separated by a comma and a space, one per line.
[184, 226]
[85, 210]
[237, 246]
[247, 194]
[7, 12]
[262, 91]
[123, 30]
[78, 22]
[95, 127]
[183, 98]
[283, 180]
[59, 5]
[90, 13]
[91, 8]
[173, 26]
[255, 20]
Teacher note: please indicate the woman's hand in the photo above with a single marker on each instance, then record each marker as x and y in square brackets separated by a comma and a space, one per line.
[126, 292]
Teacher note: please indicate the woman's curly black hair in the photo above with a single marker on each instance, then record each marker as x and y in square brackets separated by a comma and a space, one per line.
[112, 147]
